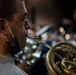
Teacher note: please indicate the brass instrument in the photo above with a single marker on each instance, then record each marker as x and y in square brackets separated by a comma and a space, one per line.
[61, 58]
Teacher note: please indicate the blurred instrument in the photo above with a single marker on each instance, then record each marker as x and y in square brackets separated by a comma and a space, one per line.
[43, 30]
[30, 54]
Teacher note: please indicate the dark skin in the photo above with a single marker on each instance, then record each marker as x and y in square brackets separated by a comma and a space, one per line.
[19, 26]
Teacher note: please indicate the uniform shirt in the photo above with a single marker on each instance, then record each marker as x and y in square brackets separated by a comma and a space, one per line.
[8, 67]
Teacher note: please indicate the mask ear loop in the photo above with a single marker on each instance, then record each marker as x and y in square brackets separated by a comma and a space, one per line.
[5, 38]
[9, 29]
[13, 44]
[1, 19]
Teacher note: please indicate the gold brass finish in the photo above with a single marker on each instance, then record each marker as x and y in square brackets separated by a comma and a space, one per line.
[67, 65]
[61, 58]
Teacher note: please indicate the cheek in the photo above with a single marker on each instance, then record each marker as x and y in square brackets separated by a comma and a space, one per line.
[19, 32]
[20, 35]
[22, 41]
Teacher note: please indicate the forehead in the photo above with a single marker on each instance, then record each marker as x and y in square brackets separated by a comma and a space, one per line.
[20, 4]
[21, 9]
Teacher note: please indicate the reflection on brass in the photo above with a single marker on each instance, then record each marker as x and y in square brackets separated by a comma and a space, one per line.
[61, 58]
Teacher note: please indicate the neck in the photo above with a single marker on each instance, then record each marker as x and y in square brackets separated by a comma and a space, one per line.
[4, 49]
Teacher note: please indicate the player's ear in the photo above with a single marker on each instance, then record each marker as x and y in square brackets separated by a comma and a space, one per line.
[2, 26]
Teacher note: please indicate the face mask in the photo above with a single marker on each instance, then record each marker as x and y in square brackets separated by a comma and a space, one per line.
[15, 48]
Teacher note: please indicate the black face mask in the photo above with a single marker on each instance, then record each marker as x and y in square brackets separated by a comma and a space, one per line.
[14, 48]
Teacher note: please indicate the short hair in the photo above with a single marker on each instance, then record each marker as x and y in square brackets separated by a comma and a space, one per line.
[7, 9]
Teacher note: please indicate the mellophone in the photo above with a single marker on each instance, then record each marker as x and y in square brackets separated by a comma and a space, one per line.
[65, 53]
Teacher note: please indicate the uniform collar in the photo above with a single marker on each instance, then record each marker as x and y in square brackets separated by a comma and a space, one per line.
[6, 59]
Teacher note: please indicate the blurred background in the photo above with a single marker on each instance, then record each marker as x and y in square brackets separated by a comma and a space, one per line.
[53, 21]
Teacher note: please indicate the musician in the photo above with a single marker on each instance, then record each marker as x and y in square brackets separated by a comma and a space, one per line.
[13, 33]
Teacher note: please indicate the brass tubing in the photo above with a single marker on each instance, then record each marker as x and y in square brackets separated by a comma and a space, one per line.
[50, 63]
